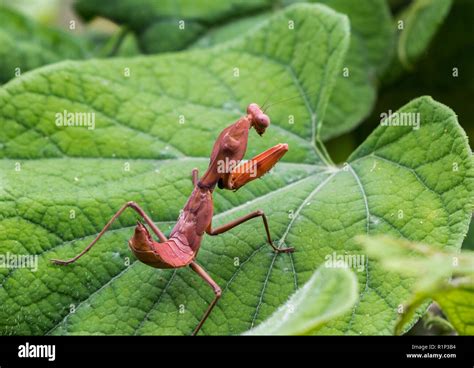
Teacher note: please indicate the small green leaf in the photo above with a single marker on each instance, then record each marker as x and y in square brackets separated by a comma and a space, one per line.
[417, 24]
[329, 293]
[422, 19]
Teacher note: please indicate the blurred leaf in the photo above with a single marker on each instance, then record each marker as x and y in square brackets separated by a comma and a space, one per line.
[421, 20]
[432, 268]
[434, 322]
[26, 45]
[122, 43]
[457, 303]
[159, 22]
[166, 36]
[129, 46]
[42, 11]
[329, 293]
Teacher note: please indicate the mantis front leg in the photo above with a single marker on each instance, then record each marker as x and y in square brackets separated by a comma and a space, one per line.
[241, 220]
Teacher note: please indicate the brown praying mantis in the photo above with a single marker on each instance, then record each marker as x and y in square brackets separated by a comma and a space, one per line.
[227, 171]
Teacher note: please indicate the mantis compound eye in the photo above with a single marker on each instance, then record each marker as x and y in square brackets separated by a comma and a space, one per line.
[261, 123]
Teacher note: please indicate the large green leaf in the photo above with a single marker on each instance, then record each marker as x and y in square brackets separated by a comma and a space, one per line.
[48, 171]
[207, 24]
[329, 293]
[25, 45]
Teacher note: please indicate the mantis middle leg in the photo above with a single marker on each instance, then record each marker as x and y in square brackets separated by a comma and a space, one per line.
[241, 220]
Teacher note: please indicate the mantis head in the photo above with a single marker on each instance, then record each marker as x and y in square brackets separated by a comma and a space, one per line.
[258, 119]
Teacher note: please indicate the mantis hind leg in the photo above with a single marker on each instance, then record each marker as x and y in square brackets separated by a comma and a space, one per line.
[133, 206]
[217, 291]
